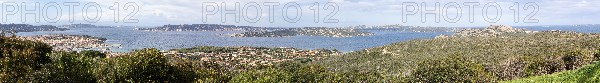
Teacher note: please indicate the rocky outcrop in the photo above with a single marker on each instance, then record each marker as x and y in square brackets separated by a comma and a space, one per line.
[490, 31]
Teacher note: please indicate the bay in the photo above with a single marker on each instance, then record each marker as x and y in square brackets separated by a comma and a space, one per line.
[164, 40]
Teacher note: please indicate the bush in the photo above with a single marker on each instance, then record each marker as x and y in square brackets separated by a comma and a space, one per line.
[93, 53]
[288, 72]
[364, 77]
[70, 67]
[20, 60]
[597, 55]
[512, 68]
[146, 65]
[450, 69]
[200, 71]
[262, 76]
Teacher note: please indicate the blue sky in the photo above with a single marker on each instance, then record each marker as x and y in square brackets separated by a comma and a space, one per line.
[350, 13]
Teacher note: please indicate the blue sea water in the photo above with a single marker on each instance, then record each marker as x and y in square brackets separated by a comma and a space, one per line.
[135, 39]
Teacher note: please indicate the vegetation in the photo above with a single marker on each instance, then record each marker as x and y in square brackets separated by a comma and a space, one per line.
[453, 59]
[450, 69]
[146, 65]
[589, 73]
[21, 60]
[504, 57]
[27, 61]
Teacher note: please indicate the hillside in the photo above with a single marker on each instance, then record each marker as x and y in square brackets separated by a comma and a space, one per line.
[589, 73]
[506, 56]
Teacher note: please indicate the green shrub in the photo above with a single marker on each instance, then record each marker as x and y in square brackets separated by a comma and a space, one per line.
[262, 76]
[512, 68]
[597, 55]
[200, 71]
[364, 77]
[146, 65]
[450, 69]
[70, 67]
[288, 72]
[93, 53]
[20, 60]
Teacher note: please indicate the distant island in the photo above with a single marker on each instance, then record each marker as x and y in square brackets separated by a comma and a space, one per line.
[490, 31]
[7, 28]
[263, 31]
[85, 26]
[399, 27]
[309, 31]
[199, 27]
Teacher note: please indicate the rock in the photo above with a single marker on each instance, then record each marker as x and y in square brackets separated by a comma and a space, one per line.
[490, 31]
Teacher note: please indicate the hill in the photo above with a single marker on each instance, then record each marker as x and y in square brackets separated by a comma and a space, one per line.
[504, 56]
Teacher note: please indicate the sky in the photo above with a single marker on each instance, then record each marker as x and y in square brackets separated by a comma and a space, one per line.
[303, 13]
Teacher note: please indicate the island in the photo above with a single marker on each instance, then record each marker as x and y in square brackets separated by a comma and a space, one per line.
[199, 27]
[491, 31]
[308, 31]
[84, 26]
[399, 27]
[8, 28]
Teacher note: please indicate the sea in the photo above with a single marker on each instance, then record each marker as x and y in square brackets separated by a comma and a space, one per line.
[130, 39]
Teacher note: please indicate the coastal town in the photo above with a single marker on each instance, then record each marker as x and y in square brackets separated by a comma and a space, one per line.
[62, 42]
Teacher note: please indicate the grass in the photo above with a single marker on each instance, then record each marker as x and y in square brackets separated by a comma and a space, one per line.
[586, 74]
